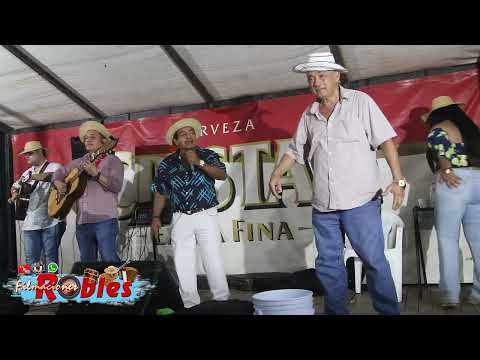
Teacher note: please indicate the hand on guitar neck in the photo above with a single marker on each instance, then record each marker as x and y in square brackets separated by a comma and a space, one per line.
[61, 187]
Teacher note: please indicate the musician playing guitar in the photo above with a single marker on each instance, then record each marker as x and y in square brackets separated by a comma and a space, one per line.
[42, 234]
[97, 215]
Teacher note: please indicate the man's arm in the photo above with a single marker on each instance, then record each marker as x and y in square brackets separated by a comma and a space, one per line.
[159, 202]
[213, 167]
[294, 153]
[285, 164]
[214, 172]
[391, 155]
[111, 179]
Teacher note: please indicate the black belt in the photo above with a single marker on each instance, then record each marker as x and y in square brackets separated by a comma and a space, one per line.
[378, 195]
[191, 212]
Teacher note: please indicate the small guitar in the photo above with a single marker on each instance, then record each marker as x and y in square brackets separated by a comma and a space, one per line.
[76, 180]
[24, 192]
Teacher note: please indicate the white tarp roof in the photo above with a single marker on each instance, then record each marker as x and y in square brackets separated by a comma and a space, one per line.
[119, 79]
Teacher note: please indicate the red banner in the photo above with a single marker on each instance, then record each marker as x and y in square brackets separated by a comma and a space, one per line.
[402, 102]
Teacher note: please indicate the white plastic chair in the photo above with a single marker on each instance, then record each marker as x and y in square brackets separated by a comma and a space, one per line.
[393, 227]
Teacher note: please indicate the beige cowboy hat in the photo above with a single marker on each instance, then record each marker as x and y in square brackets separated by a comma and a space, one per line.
[440, 102]
[188, 122]
[31, 146]
[323, 61]
[93, 125]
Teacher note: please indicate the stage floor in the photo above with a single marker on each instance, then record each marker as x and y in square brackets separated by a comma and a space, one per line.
[359, 304]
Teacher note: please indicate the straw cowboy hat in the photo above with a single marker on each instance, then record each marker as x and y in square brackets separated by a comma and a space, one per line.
[323, 61]
[440, 102]
[190, 122]
[93, 125]
[31, 146]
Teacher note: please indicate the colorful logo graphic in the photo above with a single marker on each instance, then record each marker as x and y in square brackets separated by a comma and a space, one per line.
[116, 286]
[52, 267]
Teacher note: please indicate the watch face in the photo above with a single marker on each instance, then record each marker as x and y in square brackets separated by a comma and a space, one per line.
[402, 183]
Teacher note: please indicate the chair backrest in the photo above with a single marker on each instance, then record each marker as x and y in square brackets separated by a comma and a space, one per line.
[390, 222]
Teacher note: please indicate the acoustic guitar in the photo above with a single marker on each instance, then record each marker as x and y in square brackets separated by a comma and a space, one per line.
[76, 180]
[25, 190]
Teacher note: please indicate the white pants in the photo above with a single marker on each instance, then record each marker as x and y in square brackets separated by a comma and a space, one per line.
[202, 229]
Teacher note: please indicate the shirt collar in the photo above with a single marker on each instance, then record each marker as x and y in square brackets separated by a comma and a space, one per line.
[345, 94]
[177, 153]
[34, 168]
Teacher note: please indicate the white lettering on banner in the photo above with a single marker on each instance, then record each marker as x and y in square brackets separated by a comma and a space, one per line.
[236, 126]
[249, 124]
[227, 127]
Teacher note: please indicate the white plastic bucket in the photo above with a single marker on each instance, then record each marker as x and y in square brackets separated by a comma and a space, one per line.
[284, 302]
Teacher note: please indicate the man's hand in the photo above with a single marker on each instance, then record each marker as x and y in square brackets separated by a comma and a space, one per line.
[13, 191]
[90, 168]
[276, 186]
[450, 179]
[398, 194]
[192, 157]
[155, 227]
[12, 199]
[61, 187]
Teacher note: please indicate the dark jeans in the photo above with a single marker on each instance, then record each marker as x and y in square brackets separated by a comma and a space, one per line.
[98, 237]
[363, 226]
[43, 243]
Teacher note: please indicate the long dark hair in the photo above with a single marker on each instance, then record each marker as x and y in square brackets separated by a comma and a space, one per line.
[469, 130]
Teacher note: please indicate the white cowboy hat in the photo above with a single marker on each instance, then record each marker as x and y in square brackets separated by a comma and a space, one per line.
[440, 102]
[93, 125]
[188, 122]
[31, 146]
[323, 61]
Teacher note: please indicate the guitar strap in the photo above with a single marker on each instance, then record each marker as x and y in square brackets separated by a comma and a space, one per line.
[41, 171]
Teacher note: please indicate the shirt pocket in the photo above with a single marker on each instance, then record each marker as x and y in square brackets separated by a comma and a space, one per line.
[348, 133]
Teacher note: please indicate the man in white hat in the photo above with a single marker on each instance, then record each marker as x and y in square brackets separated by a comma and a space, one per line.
[187, 177]
[97, 214]
[343, 129]
[41, 233]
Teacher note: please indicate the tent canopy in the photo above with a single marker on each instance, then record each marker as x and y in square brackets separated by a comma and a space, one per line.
[49, 84]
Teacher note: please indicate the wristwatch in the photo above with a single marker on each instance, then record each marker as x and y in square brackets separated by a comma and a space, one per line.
[201, 163]
[402, 183]
[447, 170]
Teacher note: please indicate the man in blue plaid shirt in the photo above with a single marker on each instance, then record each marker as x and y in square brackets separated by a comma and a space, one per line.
[187, 178]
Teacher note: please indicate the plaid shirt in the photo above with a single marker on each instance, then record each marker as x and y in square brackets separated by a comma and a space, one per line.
[187, 189]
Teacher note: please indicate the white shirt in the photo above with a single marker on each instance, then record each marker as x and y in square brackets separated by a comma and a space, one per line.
[37, 213]
[342, 151]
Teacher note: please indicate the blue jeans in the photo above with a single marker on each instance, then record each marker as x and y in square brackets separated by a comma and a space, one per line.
[98, 237]
[453, 207]
[43, 241]
[363, 226]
